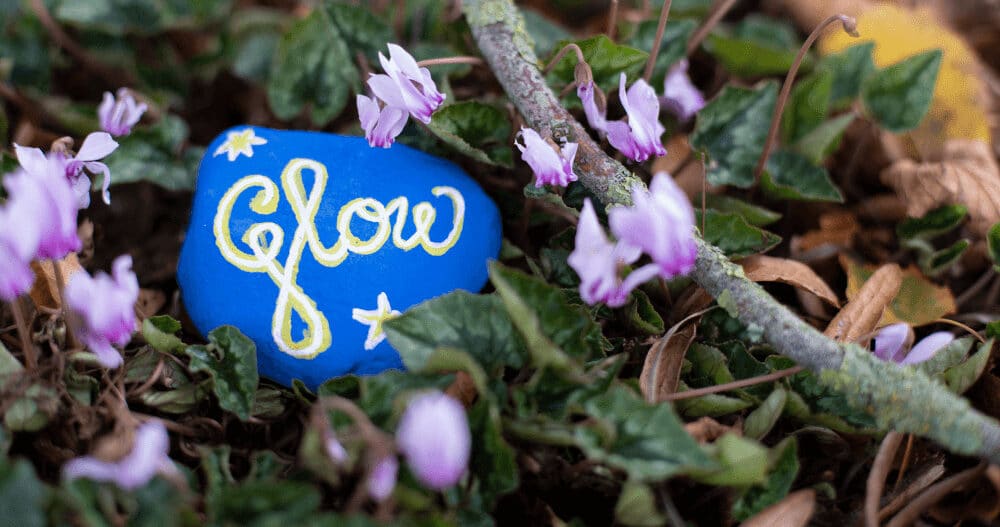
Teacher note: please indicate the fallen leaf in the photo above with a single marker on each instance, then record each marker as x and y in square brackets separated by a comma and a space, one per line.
[793, 511]
[661, 372]
[770, 269]
[867, 306]
[706, 430]
[45, 290]
[967, 175]
[836, 228]
[918, 302]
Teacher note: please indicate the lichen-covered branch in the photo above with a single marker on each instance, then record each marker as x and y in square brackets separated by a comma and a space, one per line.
[900, 398]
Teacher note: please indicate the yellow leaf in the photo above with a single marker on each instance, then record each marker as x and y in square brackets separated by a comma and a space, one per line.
[919, 301]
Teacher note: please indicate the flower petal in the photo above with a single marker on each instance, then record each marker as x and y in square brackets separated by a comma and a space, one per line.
[928, 347]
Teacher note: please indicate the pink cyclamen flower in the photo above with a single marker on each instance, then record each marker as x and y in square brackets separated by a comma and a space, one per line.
[334, 449]
[639, 138]
[596, 117]
[104, 308]
[381, 125]
[599, 263]
[406, 85]
[42, 181]
[147, 458]
[95, 147]
[660, 223]
[892, 341]
[382, 479]
[19, 238]
[680, 97]
[433, 434]
[119, 115]
[551, 167]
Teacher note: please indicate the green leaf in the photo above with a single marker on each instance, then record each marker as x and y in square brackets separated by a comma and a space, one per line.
[230, 359]
[850, 68]
[993, 243]
[807, 107]
[779, 482]
[25, 56]
[788, 175]
[672, 48]
[744, 462]
[493, 461]
[176, 401]
[759, 46]
[30, 411]
[711, 405]
[646, 441]
[377, 395]
[824, 139]
[159, 333]
[732, 129]
[313, 66]
[256, 33]
[156, 154]
[933, 224]
[139, 16]
[360, 27]
[265, 503]
[938, 262]
[960, 378]
[476, 324]
[641, 315]
[22, 495]
[550, 325]
[761, 420]
[898, 96]
[951, 355]
[478, 130]
[543, 31]
[731, 233]
[636, 506]
[754, 215]
[607, 60]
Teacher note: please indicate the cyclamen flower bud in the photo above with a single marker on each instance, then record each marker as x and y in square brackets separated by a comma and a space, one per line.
[105, 309]
[433, 434]
[551, 167]
[148, 457]
[119, 115]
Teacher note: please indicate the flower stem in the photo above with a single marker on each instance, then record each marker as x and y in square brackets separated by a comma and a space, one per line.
[706, 27]
[850, 26]
[742, 383]
[612, 20]
[658, 40]
[27, 346]
[61, 287]
[463, 59]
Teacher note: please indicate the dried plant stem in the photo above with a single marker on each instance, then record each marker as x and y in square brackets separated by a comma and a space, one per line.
[866, 383]
[929, 497]
[742, 383]
[658, 40]
[612, 19]
[850, 26]
[61, 287]
[708, 25]
[462, 59]
[27, 346]
[960, 325]
[876, 477]
[562, 53]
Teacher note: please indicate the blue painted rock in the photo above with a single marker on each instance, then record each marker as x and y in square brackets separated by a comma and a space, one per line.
[308, 242]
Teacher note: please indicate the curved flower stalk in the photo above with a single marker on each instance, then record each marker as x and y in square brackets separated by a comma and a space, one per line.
[638, 137]
[405, 89]
[434, 436]
[551, 166]
[104, 309]
[680, 96]
[148, 457]
[892, 343]
[118, 114]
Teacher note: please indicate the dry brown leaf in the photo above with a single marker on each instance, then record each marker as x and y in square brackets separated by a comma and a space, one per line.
[45, 291]
[691, 301]
[862, 314]
[836, 228]
[967, 175]
[770, 269]
[919, 301]
[882, 208]
[661, 372]
[793, 511]
[706, 430]
[463, 388]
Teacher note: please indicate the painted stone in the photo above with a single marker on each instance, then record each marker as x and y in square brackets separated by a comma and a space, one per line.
[308, 242]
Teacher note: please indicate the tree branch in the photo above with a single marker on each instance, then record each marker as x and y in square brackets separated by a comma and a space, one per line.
[899, 398]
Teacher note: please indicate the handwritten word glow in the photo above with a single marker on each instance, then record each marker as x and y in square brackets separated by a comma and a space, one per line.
[266, 239]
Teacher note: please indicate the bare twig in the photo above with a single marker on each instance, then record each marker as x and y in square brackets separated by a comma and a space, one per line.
[655, 50]
[932, 495]
[708, 25]
[475, 61]
[876, 477]
[742, 383]
[612, 19]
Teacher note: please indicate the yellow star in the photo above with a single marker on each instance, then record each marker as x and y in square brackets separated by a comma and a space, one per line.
[239, 143]
[374, 319]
